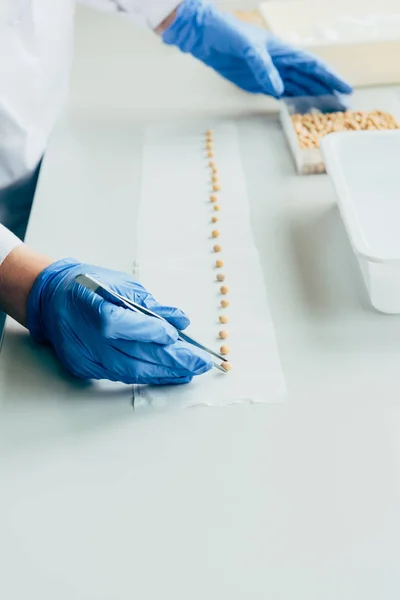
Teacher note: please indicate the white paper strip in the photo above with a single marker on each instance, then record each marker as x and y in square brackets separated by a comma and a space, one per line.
[177, 263]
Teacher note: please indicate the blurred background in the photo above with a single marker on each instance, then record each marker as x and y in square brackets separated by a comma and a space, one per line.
[107, 67]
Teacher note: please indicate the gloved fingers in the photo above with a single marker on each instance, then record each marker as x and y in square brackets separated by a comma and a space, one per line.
[173, 315]
[304, 84]
[323, 73]
[184, 359]
[120, 366]
[315, 71]
[116, 322]
[135, 290]
[294, 89]
[307, 65]
[131, 370]
[260, 63]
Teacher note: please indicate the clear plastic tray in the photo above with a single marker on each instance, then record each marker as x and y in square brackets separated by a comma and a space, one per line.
[310, 160]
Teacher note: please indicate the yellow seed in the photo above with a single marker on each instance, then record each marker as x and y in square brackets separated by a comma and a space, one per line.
[214, 170]
[220, 277]
[224, 290]
[224, 350]
[213, 198]
[214, 178]
[209, 145]
[226, 365]
[217, 248]
[214, 219]
[216, 187]
[215, 233]
[219, 264]
[211, 164]
[217, 207]
[223, 334]
[225, 303]
[223, 319]
[210, 154]
[209, 132]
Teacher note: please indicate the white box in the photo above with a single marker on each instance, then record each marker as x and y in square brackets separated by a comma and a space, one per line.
[365, 170]
[359, 38]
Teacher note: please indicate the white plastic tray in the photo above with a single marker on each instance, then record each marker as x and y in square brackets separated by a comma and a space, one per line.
[365, 170]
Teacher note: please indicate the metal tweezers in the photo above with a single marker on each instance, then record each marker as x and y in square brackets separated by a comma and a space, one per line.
[103, 291]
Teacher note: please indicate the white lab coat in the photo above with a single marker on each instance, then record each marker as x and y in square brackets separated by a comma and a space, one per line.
[36, 41]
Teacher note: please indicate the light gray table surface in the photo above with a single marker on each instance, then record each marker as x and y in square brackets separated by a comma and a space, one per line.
[290, 501]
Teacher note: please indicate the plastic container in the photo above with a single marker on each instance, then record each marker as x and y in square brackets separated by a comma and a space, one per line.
[365, 170]
[310, 160]
[360, 39]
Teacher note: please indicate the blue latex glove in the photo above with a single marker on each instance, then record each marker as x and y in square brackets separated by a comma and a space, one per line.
[248, 56]
[95, 339]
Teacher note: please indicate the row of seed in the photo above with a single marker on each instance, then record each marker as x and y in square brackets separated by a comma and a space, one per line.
[214, 199]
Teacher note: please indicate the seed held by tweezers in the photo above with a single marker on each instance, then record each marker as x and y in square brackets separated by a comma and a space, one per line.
[226, 365]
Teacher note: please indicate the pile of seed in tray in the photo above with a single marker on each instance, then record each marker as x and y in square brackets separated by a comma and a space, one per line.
[312, 127]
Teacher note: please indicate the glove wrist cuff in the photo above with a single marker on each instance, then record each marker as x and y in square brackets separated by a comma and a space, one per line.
[185, 30]
[40, 295]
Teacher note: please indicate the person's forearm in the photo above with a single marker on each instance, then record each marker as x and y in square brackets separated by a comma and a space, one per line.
[18, 273]
[166, 23]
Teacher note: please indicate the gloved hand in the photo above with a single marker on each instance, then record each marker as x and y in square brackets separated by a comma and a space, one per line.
[95, 339]
[248, 56]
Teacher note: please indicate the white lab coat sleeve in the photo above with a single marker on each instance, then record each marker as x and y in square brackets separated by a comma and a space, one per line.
[8, 241]
[149, 13]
